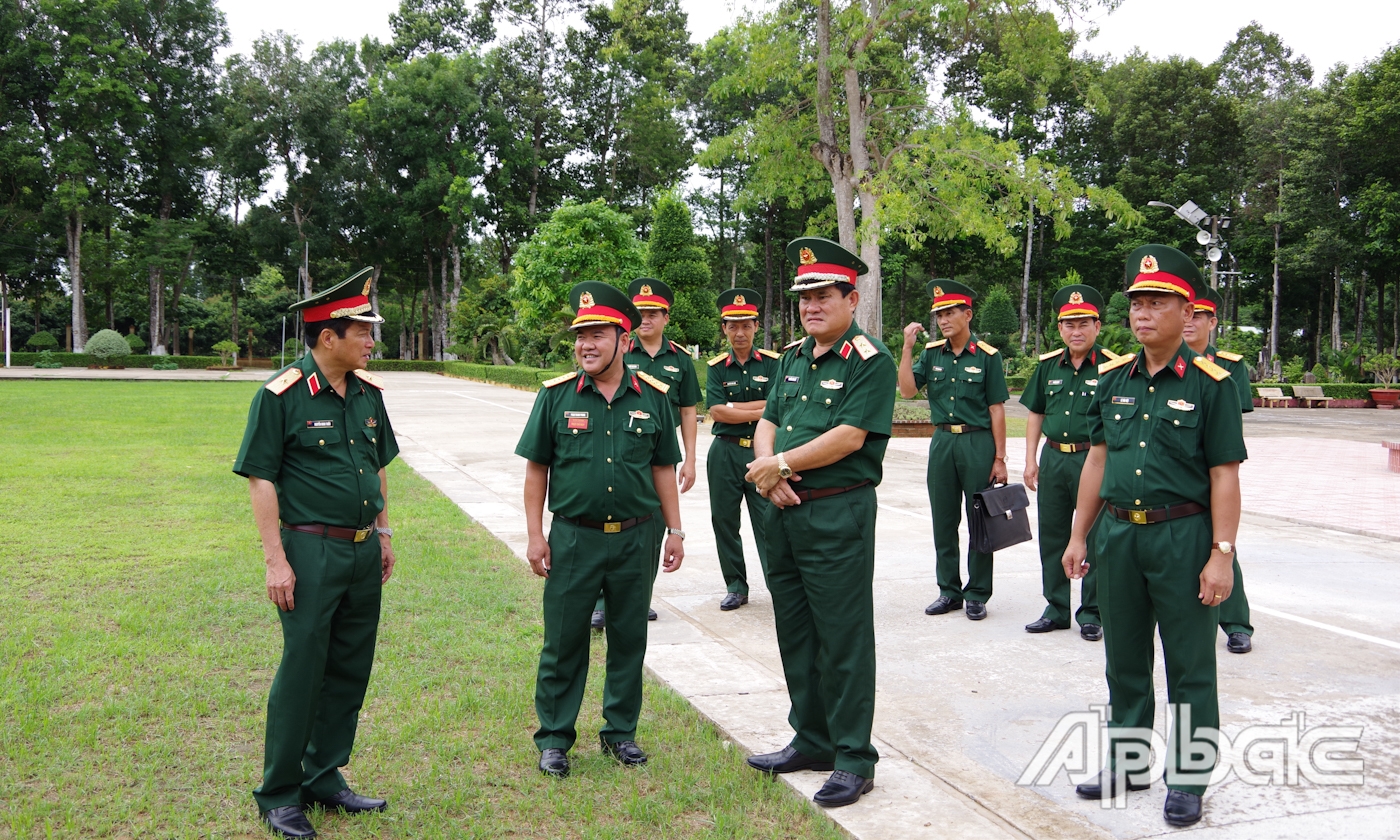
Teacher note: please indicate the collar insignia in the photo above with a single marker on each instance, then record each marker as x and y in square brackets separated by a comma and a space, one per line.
[1180, 366]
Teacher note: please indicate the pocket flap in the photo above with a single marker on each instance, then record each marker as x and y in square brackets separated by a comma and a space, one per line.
[318, 437]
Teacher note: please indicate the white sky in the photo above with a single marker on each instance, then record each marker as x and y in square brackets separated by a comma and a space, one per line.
[1349, 31]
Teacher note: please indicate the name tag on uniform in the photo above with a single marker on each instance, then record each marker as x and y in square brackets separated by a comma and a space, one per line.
[1124, 400]
[1181, 405]
[937, 368]
[972, 370]
[790, 378]
[633, 367]
[577, 419]
[1052, 382]
[671, 369]
[1091, 382]
[832, 384]
[735, 382]
[320, 424]
[760, 379]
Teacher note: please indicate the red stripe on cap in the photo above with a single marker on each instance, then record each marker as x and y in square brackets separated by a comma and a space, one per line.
[739, 309]
[604, 314]
[951, 300]
[322, 312]
[651, 300]
[827, 268]
[1205, 305]
[1079, 310]
[1160, 281]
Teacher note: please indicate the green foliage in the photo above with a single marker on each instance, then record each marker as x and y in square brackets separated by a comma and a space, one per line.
[165, 364]
[135, 342]
[518, 376]
[419, 365]
[107, 345]
[42, 340]
[1320, 373]
[1293, 370]
[227, 350]
[132, 361]
[1384, 367]
[579, 242]
[47, 361]
[674, 256]
[1117, 313]
[1118, 339]
[996, 317]
[1247, 344]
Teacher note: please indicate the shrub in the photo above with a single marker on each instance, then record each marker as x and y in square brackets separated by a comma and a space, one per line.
[47, 361]
[1320, 373]
[134, 342]
[165, 363]
[226, 349]
[419, 365]
[292, 350]
[1293, 370]
[41, 341]
[460, 350]
[107, 345]
[1383, 367]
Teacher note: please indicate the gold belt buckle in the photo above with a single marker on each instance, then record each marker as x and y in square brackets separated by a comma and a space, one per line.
[1137, 517]
[612, 527]
[957, 430]
[1067, 447]
[363, 534]
[746, 443]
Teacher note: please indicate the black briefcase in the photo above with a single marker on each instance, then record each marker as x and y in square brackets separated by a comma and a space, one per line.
[999, 518]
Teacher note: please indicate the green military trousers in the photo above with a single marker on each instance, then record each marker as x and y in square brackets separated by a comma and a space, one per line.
[725, 468]
[1150, 580]
[585, 560]
[1055, 500]
[821, 566]
[958, 466]
[1234, 612]
[327, 652]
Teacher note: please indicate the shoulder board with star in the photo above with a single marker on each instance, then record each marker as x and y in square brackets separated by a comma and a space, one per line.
[653, 381]
[982, 345]
[280, 384]
[1228, 356]
[1052, 354]
[717, 359]
[559, 380]
[1109, 353]
[1116, 363]
[939, 343]
[1212, 370]
[864, 347]
[679, 349]
[772, 354]
[792, 344]
[370, 379]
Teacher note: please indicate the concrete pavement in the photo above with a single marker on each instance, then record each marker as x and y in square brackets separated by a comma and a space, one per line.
[963, 707]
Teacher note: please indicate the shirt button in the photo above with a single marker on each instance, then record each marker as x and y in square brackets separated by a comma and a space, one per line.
[1066, 434]
[1066, 413]
[789, 428]
[610, 516]
[1176, 422]
[1117, 417]
[323, 443]
[371, 440]
[609, 432]
[609, 408]
[609, 460]
[352, 441]
[814, 367]
[1139, 472]
[1142, 444]
[575, 431]
[828, 402]
[366, 502]
[1137, 501]
[609, 489]
[804, 397]
[1144, 416]
[1152, 389]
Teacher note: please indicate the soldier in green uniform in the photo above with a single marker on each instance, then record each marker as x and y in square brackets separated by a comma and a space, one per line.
[314, 452]
[668, 362]
[1059, 395]
[966, 389]
[819, 451]
[602, 443]
[1234, 613]
[1164, 469]
[736, 392]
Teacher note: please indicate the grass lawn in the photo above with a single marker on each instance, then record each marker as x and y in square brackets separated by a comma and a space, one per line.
[138, 647]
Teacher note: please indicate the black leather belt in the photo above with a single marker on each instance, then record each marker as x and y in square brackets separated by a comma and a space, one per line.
[606, 527]
[351, 534]
[746, 443]
[958, 428]
[809, 495]
[1071, 447]
[1152, 516]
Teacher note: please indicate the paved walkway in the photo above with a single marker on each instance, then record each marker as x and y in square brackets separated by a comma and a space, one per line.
[962, 707]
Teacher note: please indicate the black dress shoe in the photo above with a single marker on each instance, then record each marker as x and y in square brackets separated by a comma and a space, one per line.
[350, 802]
[943, 605]
[976, 610]
[1091, 632]
[733, 601]
[1239, 643]
[1094, 789]
[1044, 625]
[597, 621]
[651, 614]
[788, 760]
[626, 752]
[554, 762]
[288, 821]
[843, 788]
[1182, 808]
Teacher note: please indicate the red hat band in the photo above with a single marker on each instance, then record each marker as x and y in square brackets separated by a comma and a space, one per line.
[1160, 281]
[827, 271]
[650, 302]
[602, 314]
[336, 309]
[1078, 310]
[1205, 305]
[951, 299]
[739, 310]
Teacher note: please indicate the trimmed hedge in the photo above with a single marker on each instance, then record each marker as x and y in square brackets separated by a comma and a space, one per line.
[134, 360]
[1016, 383]
[523, 377]
[402, 365]
[1336, 390]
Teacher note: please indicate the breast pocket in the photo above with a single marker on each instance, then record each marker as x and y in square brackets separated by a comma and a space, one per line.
[1178, 431]
[1118, 428]
[574, 445]
[369, 440]
[641, 439]
[827, 402]
[318, 439]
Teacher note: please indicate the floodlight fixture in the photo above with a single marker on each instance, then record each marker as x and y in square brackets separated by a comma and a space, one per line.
[1191, 212]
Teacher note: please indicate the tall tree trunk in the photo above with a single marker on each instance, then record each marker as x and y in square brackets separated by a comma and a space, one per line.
[75, 278]
[1039, 311]
[175, 302]
[1336, 307]
[1275, 306]
[233, 299]
[1380, 315]
[1026, 278]
[869, 309]
[378, 329]
[768, 213]
[826, 150]
[155, 287]
[1360, 306]
[111, 320]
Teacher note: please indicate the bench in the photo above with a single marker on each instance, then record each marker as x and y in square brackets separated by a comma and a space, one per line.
[1269, 396]
[1393, 456]
[1310, 396]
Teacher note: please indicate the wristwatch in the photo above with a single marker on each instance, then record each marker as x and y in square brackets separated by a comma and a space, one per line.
[1224, 547]
[784, 471]
[676, 531]
[387, 532]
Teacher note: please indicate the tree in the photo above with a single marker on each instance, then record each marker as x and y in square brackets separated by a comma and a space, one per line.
[673, 256]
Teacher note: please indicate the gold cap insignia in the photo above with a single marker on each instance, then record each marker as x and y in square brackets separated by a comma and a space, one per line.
[585, 300]
[1076, 297]
[807, 257]
[365, 293]
[938, 291]
[1149, 265]
[645, 290]
[739, 300]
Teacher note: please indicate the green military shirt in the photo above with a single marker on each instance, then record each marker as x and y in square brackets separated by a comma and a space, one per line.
[961, 385]
[1164, 432]
[1063, 394]
[852, 384]
[673, 366]
[1239, 374]
[323, 452]
[730, 380]
[600, 454]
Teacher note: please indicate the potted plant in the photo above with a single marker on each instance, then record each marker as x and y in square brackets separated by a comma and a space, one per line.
[107, 346]
[1384, 367]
